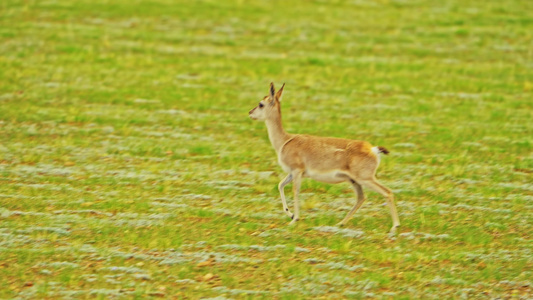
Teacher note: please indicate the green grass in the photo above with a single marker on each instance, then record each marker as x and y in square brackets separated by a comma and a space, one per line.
[129, 167]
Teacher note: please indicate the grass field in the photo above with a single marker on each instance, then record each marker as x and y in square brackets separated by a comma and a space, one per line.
[129, 167]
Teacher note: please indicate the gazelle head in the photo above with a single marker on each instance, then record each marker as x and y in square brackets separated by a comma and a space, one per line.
[269, 106]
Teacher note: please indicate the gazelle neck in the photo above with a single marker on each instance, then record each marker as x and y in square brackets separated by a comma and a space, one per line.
[276, 133]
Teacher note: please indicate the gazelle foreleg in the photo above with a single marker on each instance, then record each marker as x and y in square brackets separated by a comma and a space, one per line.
[297, 181]
[360, 200]
[281, 188]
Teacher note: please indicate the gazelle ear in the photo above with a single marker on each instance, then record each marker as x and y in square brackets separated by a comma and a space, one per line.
[272, 92]
[280, 93]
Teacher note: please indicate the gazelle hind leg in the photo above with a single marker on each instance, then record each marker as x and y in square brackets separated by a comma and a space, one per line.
[297, 181]
[360, 200]
[281, 188]
[378, 187]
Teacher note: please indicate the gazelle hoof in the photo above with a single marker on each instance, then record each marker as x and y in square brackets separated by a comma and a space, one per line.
[288, 212]
[393, 230]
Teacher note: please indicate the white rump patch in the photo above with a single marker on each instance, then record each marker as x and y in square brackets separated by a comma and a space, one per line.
[377, 152]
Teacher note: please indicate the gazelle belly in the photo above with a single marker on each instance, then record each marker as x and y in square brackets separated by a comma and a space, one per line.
[333, 176]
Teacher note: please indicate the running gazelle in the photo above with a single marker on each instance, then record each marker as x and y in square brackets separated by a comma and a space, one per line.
[326, 159]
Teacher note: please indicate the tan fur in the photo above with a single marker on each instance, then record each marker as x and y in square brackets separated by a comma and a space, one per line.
[325, 159]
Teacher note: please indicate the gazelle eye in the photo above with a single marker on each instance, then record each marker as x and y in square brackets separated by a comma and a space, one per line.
[261, 105]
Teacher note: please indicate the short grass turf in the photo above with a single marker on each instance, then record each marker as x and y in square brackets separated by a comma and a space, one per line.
[130, 169]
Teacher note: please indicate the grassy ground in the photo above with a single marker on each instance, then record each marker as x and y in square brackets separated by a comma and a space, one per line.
[129, 167]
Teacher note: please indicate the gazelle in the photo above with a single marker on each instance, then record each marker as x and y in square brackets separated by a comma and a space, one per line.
[326, 159]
